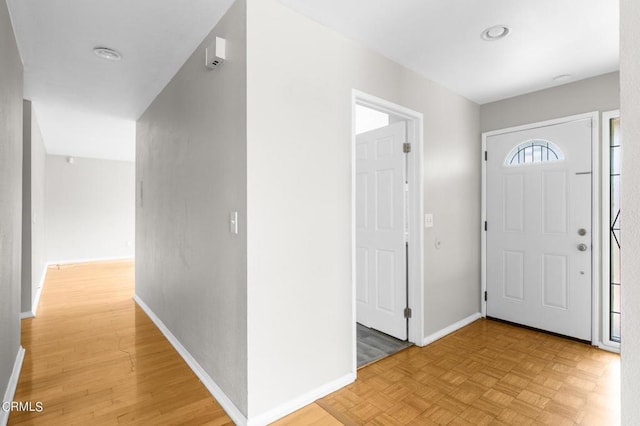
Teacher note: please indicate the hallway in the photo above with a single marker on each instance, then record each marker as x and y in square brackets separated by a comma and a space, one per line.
[94, 357]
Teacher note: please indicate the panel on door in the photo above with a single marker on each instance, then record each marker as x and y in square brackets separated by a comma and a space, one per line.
[539, 228]
[380, 230]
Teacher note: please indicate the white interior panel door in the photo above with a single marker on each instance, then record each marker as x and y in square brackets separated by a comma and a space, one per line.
[380, 230]
[539, 228]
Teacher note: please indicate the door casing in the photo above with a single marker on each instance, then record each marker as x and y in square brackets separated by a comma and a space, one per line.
[415, 209]
[596, 252]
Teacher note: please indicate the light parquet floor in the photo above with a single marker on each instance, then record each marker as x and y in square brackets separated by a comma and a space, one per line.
[94, 357]
[487, 373]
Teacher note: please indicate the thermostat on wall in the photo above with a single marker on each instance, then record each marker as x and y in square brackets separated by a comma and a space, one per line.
[216, 53]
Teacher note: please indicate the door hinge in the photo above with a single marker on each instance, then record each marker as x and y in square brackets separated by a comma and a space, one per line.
[406, 147]
[485, 296]
[485, 225]
[407, 312]
[485, 156]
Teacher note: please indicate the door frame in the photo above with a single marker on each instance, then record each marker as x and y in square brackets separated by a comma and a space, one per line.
[415, 209]
[596, 252]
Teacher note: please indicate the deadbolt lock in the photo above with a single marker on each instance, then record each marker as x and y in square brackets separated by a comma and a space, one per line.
[582, 232]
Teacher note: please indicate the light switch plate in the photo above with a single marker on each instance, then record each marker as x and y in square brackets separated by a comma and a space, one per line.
[428, 220]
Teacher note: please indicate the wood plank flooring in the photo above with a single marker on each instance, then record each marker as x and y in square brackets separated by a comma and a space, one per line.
[94, 357]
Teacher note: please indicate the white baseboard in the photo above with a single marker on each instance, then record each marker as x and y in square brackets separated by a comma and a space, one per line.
[301, 401]
[226, 403]
[12, 385]
[609, 348]
[36, 300]
[450, 329]
[88, 260]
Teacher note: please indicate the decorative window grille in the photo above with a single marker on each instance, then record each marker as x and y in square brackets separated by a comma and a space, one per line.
[614, 235]
[533, 152]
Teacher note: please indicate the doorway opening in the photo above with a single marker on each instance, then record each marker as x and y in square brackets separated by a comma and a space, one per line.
[387, 236]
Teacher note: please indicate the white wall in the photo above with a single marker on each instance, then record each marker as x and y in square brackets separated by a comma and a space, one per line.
[191, 162]
[33, 186]
[630, 133]
[10, 197]
[89, 209]
[300, 77]
[601, 93]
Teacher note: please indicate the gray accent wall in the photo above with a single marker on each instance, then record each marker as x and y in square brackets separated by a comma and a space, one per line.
[600, 93]
[33, 186]
[300, 80]
[10, 196]
[630, 133]
[89, 209]
[191, 174]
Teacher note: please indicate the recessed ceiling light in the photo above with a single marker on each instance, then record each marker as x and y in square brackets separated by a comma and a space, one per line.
[107, 53]
[495, 33]
[562, 77]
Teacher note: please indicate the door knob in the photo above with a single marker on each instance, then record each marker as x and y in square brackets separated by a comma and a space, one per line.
[582, 247]
[582, 232]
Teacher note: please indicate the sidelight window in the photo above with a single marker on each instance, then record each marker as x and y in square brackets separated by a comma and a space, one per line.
[615, 231]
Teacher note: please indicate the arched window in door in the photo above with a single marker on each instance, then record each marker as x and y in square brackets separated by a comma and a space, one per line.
[532, 152]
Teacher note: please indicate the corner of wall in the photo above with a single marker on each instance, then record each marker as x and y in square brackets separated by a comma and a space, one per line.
[190, 177]
[11, 105]
[630, 132]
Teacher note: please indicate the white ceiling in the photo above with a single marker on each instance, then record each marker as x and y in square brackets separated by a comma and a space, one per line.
[440, 39]
[88, 106]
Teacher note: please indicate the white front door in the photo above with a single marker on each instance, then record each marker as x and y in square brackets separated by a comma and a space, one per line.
[381, 292]
[539, 227]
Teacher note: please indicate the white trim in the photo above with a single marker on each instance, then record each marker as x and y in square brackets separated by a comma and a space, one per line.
[605, 341]
[12, 385]
[89, 260]
[595, 211]
[546, 123]
[354, 317]
[226, 403]
[610, 347]
[450, 329]
[415, 133]
[483, 233]
[36, 300]
[596, 225]
[301, 401]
